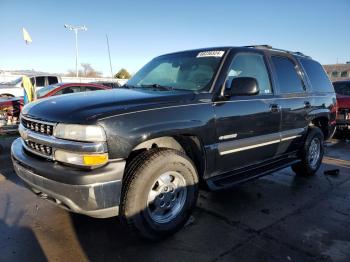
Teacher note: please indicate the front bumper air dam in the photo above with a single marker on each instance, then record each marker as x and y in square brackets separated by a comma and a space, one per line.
[95, 193]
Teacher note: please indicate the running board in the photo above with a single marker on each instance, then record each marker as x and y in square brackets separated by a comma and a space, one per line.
[234, 178]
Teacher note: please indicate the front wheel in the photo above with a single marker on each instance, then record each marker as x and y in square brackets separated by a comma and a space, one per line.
[159, 192]
[311, 153]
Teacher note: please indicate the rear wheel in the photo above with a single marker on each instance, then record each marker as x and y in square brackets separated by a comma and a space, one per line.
[311, 153]
[159, 192]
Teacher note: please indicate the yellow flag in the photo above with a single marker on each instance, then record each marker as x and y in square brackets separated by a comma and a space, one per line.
[26, 36]
[29, 90]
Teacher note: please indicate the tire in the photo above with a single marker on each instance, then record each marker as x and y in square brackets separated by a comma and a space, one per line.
[311, 154]
[151, 204]
[6, 96]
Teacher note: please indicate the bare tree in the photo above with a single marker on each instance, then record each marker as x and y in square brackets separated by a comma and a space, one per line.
[88, 71]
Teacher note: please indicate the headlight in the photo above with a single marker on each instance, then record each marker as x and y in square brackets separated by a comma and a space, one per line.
[80, 133]
[81, 159]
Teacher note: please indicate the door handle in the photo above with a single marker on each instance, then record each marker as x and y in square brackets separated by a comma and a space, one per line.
[275, 108]
[307, 104]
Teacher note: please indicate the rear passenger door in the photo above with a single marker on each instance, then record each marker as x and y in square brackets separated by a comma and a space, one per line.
[293, 101]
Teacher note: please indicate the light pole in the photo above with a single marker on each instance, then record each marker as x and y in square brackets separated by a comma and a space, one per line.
[76, 29]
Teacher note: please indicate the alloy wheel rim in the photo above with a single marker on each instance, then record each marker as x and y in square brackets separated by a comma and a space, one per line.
[167, 197]
[314, 152]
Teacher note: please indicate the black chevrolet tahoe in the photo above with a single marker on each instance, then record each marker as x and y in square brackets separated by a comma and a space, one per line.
[209, 118]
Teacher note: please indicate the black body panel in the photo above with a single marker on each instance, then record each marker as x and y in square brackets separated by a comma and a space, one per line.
[235, 133]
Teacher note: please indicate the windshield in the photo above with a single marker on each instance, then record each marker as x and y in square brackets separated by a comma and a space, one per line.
[342, 88]
[45, 90]
[192, 70]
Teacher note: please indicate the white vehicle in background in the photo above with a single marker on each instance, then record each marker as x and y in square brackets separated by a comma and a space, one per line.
[15, 89]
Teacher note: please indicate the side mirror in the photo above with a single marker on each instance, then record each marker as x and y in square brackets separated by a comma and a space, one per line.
[242, 86]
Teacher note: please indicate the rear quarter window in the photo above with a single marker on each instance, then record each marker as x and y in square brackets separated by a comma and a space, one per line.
[318, 78]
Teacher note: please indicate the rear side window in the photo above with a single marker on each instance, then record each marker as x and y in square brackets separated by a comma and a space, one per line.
[287, 76]
[52, 80]
[317, 76]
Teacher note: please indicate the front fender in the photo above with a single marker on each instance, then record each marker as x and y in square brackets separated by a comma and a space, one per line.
[125, 132]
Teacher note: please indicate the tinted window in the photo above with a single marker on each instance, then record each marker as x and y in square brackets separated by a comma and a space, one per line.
[190, 70]
[40, 81]
[287, 76]
[52, 80]
[250, 65]
[317, 75]
[69, 90]
[92, 88]
[342, 88]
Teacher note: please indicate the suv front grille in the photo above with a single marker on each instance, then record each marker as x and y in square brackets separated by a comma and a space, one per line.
[37, 127]
[39, 148]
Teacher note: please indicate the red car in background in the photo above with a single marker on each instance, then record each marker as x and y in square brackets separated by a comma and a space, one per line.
[342, 88]
[10, 108]
[68, 88]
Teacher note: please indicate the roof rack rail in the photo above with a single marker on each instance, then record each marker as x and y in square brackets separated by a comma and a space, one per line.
[277, 49]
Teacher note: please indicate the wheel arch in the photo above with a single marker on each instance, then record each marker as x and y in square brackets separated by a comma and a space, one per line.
[191, 145]
[322, 122]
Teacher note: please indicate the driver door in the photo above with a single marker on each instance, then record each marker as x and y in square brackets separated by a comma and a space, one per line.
[247, 126]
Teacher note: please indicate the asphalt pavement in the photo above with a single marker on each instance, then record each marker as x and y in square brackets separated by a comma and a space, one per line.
[280, 217]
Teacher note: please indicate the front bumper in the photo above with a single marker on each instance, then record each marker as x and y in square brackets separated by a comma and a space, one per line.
[343, 120]
[95, 193]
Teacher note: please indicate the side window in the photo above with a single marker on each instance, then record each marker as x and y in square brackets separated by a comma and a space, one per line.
[317, 75]
[250, 65]
[92, 88]
[69, 90]
[32, 80]
[287, 76]
[40, 80]
[52, 80]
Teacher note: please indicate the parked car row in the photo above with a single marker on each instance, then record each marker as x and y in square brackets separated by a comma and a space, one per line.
[15, 89]
[10, 107]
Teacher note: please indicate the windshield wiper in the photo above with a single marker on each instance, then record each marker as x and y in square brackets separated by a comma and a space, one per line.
[157, 86]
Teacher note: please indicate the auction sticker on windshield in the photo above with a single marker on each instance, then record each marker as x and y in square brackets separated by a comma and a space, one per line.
[211, 54]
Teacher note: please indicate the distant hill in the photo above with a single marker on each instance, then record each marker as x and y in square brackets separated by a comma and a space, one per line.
[23, 72]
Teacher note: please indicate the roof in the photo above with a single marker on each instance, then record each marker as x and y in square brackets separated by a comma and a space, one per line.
[260, 47]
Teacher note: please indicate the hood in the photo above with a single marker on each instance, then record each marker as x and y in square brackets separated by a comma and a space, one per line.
[343, 101]
[89, 107]
[2, 86]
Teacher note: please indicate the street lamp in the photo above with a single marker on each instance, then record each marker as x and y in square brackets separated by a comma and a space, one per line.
[76, 29]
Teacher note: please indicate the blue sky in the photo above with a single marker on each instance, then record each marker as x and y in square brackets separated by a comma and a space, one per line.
[141, 30]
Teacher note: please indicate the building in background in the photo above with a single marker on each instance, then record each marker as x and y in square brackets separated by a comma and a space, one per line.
[338, 72]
